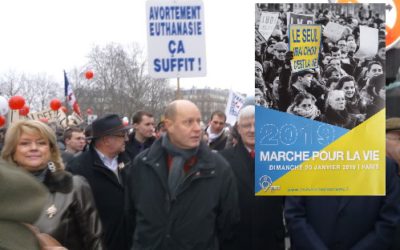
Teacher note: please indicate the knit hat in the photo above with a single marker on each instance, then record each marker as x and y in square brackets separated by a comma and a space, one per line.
[281, 46]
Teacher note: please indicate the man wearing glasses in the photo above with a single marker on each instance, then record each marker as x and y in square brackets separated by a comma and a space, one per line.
[103, 165]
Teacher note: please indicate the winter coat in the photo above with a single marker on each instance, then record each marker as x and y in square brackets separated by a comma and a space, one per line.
[70, 214]
[261, 218]
[199, 218]
[108, 192]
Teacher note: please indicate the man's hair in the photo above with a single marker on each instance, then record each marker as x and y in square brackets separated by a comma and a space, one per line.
[68, 132]
[335, 49]
[246, 112]
[138, 116]
[218, 113]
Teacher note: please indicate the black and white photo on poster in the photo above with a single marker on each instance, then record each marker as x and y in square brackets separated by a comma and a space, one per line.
[347, 86]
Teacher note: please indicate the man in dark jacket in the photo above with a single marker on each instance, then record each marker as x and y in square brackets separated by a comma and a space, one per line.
[216, 131]
[103, 165]
[142, 138]
[261, 218]
[346, 222]
[180, 194]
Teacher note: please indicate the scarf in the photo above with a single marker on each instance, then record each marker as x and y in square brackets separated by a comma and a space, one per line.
[211, 136]
[179, 157]
[312, 113]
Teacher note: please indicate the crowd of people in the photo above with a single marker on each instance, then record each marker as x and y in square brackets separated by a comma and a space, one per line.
[170, 189]
[183, 185]
[344, 90]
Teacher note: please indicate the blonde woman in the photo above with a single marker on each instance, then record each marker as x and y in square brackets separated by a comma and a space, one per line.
[70, 215]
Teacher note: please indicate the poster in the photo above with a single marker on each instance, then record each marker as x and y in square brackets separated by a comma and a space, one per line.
[320, 130]
[304, 41]
[176, 38]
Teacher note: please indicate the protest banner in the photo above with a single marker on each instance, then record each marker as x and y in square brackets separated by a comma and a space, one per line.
[176, 38]
[235, 102]
[368, 42]
[259, 38]
[334, 31]
[304, 41]
[295, 18]
[267, 24]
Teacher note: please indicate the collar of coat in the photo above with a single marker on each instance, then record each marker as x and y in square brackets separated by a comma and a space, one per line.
[59, 181]
[156, 154]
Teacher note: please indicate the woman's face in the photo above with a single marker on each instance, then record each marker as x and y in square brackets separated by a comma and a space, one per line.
[306, 104]
[32, 152]
[337, 101]
[349, 89]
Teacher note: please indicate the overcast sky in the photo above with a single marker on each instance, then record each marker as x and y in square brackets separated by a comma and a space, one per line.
[48, 36]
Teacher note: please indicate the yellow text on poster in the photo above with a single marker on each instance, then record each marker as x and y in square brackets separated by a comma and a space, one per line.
[304, 42]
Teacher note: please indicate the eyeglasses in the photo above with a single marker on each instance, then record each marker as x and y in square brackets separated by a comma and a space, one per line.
[281, 51]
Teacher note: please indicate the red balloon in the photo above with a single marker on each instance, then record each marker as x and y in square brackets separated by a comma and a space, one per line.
[16, 102]
[55, 104]
[64, 109]
[89, 111]
[89, 74]
[2, 121]
[44, 119]
[24, 111]
[125, 123]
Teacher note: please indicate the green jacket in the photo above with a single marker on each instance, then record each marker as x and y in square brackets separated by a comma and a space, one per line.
[22, 199]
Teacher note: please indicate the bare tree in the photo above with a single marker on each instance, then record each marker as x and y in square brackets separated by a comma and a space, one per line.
[37, 90]
[120, 83]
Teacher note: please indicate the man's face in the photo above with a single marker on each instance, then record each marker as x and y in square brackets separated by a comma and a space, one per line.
[336, 64]
[336, 54]
[270, 48]
[306, 80]
[116, 142]
[145, 127]
[280, 54]
[375, 70]
[258, 72]
[342, 45]
[76, 143]
[184, 130]
[246, 131]
[217, 124]
[326, 60]
[382, 53]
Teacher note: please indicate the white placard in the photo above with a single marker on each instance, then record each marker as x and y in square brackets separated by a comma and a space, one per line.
[175, 38]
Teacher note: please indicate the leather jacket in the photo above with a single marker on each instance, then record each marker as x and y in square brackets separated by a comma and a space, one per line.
[70, 214]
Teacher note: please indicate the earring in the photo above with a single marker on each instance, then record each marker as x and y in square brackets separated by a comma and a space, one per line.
[51, 166]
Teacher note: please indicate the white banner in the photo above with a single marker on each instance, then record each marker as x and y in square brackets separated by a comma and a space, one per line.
[368, 42]
[175, 38]
[267, 23]
[334, 31]
[235, 102]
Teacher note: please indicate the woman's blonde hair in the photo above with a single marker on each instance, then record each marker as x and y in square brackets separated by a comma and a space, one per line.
[15, 131]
